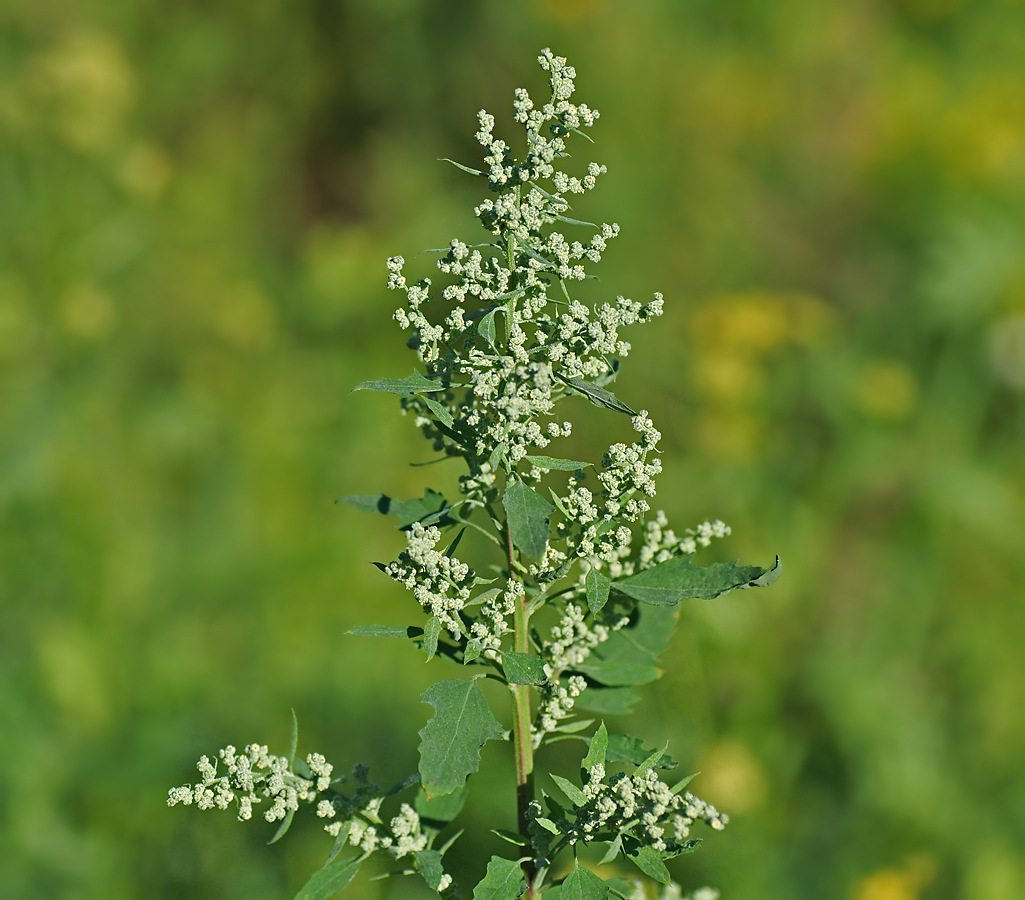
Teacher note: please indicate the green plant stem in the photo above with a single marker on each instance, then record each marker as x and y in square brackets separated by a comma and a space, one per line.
[523, 748]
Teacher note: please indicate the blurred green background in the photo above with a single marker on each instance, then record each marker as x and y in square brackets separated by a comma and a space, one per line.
[196, 201]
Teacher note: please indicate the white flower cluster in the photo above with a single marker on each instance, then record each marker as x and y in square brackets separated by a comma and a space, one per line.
[251, 777]
[440, 583]
[557, 705]
[493, 621]
[661, 542]
[614, 801]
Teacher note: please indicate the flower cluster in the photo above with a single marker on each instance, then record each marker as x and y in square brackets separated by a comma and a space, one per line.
[440, 583]
[661, 542]
[251, 777]
[493, 622]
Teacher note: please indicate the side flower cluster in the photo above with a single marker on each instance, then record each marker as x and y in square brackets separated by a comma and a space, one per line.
[252, 777]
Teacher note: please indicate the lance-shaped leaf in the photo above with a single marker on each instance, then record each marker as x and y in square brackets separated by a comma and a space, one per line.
[570, 790]
[406, 632]
[583, 884]
[451, 741]
[404, 387]
[328, 881]
[597, 586]
[504, 881]
[597, 395]
[432, 506]
[523, 668]
[431, 631]
[598, 745]
[624, 748]
[650, 863]
[527, 515]
[557, 465]
[679, 579]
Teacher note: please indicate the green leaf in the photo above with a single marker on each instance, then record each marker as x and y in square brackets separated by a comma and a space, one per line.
[295, 739]
[341, 840]
[583, 884]
[511, 836]
[615, 848]
[650, 863]
[527, 515]
[286, 823]
[428, 864]
[570, 790]
[406, 632]
[496, 456]
[610, 701]
[404, 387]
[328, 881]
[452, 739]
[679, 579]
[596, 753]
[570, 221]
[652, 761]
[503, 881]
[443, 809]
[547, 824]
[431, 632]
[461, 166]
[486, 327]
[442, 414]
[683, 782]
[597, 590]
[474, 648]
[523, 668]
[557, 465]
[408, 511]
[624, 748]
[598, 396]
[630, 655]
[400, 786]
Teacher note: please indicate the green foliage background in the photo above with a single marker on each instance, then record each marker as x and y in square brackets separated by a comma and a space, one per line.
[196, 201]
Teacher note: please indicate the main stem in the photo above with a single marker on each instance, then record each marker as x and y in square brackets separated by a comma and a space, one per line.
[523, 748]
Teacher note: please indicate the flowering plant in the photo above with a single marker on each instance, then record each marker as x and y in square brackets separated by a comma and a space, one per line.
[581, 608]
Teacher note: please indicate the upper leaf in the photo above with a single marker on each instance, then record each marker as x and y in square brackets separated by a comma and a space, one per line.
[404, 387]
[451, 741]
[679, 579]
[329, 880]
[441, 809]
[557, 465]
[428, 864]
[630, 655]
[650, 863]
[597, 395]
[597, 586]
[406, 632]
[503, 881]
[596, 752]
[431, 506]
[527, 515]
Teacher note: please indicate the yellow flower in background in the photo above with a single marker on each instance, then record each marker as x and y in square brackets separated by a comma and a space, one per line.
[905, 883]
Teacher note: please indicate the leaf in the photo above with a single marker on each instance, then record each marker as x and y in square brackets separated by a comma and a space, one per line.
[400, 786]
[286, 823]
[650, 863]
[557, 465]
[474, 648]
[683, 782]
[598, 744]
[583, 884]
[341, 840]
[451, 740]
[486, 327]
[598, 396]
[328, 881]
[570, 221]
[527, 515]
[679, 579]
[461, 166]
[615, 848]
[570, 790]
[295, 739]
[406, 632]
[630, 655]
[610, 701]
[503, 881]
[624, 748]
[496, 456]
[431, 632]
[523, 668]
[652, 761]
[428, 864]
[404, 387]
[408, 511]
[597, 586]
[442, 414]
[443, 809]
[511, 836]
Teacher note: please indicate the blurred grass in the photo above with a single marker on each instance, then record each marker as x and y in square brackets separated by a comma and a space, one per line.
[196, 205]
